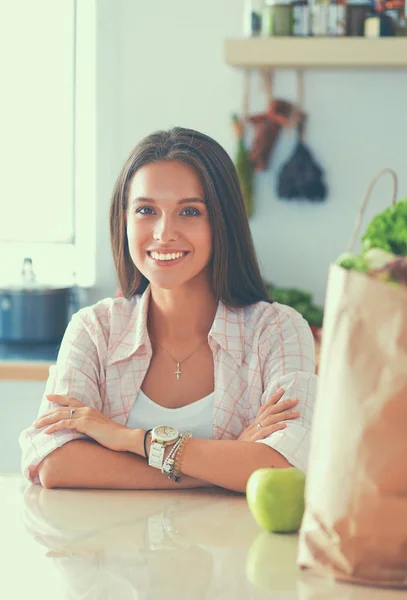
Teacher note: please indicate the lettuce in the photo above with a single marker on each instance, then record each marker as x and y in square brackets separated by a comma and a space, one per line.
[351, 261]
[388, 230]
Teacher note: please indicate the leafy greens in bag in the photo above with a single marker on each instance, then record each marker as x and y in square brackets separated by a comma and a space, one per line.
[384, 252]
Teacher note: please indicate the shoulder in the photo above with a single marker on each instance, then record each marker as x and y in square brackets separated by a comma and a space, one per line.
[281, 335]
[107, 316]
[264, 318]
[278, 328]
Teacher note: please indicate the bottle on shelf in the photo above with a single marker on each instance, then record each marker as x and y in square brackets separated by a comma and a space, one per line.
[252, 18]
[378, 22]
[402, 25]
[301, 18]
[319, 17]
[395, 9]
[356, 13]
[337, 18]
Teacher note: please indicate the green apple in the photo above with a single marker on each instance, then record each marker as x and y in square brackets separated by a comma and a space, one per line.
[276, 498]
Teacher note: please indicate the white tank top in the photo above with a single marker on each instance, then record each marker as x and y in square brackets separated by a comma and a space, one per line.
[196, 417]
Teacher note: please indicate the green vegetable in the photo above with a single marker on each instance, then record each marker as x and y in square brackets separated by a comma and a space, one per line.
[388, 230]
[314, 315]
[350, 261]
[300, 300]
[290, 296]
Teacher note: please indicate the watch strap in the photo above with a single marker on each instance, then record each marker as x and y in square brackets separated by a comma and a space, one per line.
[156, 457]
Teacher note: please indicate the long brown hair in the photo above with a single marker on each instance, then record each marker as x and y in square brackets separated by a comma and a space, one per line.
[235, 271]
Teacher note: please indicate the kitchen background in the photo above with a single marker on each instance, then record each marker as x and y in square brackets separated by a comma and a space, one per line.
[160, 64]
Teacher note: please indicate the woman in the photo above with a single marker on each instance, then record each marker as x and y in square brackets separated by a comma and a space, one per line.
[194, 345]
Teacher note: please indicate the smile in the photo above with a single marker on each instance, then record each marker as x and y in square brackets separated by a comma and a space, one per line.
[167, 258]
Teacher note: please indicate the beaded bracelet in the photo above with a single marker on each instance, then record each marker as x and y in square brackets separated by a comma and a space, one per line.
[178, 457]
[168, 465]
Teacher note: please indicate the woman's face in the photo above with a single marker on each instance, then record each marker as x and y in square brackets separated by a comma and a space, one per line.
[168, 229]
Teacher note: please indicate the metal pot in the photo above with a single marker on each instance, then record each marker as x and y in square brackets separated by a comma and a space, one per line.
[33, 313]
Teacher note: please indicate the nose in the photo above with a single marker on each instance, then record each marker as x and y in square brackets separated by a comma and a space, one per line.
[164, 230]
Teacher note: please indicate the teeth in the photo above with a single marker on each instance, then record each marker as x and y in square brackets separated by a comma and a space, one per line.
[173, 256]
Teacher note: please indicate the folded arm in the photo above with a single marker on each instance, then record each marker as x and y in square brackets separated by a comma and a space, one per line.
[87, 464]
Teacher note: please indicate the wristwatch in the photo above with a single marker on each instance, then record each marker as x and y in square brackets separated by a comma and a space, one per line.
[161, 437]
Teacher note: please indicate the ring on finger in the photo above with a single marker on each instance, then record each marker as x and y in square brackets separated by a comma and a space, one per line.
[71, 413]
[259, 426]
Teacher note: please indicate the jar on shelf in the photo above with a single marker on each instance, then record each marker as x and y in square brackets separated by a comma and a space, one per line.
[252, 18]
[402, 26]
[337, 18]
[320, 17]
[379, 24]
[277, 19]
[301, 18]
[357, 11]
[396, 10]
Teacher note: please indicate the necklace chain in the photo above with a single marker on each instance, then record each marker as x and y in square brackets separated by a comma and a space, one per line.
[178, 372]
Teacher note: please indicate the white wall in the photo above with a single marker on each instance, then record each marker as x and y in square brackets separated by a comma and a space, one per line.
[161, 64]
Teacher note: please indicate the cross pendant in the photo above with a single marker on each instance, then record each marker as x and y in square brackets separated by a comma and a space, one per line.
[178, 372]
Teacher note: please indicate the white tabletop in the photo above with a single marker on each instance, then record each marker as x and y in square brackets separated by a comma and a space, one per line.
[128, 545]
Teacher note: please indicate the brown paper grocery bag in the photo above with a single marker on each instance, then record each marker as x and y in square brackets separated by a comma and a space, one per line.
[355, 522]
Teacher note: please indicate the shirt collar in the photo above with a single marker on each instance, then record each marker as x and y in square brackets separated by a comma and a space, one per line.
[227, 330]
[135, 335]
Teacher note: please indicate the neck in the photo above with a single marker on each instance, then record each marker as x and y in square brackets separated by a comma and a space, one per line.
[181, 314]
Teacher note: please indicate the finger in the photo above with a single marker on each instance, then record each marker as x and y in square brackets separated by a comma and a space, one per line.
[64, 424]
[284, 416]
[281, 406]
[52, 417]
[260, 434]
[46, 414]
[64, 400]
[271, 401]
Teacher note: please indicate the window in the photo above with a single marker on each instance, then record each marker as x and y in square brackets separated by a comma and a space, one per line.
[45, 48]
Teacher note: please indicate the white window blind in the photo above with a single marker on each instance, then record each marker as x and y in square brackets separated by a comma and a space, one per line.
[37, 120]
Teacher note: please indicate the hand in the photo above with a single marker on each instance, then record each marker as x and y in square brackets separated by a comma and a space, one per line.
[86, 420]
[270, 417]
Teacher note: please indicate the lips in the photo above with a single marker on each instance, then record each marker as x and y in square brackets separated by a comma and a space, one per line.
[173, 255]
[167, 258]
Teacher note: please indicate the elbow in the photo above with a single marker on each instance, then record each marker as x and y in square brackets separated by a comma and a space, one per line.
[47, 472]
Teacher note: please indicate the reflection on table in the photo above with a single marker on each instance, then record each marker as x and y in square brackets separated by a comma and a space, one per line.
[192, 544]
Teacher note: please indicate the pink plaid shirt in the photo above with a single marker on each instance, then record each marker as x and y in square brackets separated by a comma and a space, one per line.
[106, 351]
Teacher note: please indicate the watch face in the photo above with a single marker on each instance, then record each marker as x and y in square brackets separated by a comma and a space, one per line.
[165, 433]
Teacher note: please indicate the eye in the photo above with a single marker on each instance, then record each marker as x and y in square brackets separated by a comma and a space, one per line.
[191, 212]
[145, 210]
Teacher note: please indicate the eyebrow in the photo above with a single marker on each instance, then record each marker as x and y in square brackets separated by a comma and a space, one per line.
[180, 202]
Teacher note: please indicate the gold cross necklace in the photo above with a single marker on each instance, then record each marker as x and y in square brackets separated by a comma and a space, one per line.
[178, 371]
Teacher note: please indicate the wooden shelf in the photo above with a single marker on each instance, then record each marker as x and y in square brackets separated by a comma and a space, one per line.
[315, 53]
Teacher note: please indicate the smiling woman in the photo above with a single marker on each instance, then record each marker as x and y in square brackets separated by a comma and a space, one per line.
[193, 377]
[170, 227]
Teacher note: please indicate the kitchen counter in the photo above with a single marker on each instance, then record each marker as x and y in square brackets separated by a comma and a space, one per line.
[125, 545]
[27, 362]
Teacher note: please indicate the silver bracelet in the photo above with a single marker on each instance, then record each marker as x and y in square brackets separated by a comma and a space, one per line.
[168, 465]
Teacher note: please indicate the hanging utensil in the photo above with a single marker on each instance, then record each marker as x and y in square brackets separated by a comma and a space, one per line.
[301, 177]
